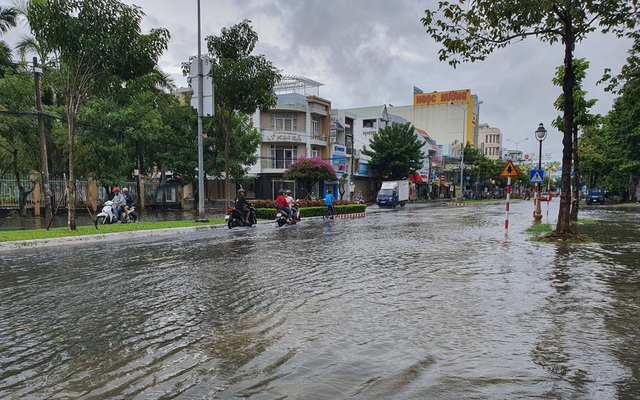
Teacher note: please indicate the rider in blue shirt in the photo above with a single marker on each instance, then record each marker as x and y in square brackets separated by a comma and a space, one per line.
[328, 201]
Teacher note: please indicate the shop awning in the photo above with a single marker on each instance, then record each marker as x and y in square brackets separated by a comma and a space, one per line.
[416, 178]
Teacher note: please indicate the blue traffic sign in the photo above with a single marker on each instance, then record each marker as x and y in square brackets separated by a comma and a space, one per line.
[537, 176]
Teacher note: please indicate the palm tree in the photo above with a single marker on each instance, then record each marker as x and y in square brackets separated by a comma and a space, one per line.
[8, 20]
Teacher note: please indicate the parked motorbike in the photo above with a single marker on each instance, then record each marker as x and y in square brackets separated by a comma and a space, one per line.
[235, 218]
[108, 214]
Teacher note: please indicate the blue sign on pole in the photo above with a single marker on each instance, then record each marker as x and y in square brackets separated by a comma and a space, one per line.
[537, 176]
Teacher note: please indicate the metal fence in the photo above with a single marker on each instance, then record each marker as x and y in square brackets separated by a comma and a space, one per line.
[9, 192]
[155, 194]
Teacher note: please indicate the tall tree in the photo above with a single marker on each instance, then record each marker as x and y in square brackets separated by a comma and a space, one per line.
[471, 30]
[243, 82]
[395, 151]
[96, 44]
[18, 133]
[581, 120]
[243, 142]
[8, 20]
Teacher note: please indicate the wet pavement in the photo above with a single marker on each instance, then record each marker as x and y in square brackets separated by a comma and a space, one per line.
[426, 301]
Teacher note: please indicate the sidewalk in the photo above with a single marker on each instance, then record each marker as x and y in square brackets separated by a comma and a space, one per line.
[73, 240]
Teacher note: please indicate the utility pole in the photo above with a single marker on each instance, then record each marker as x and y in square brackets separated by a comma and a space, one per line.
[44, 165]
[201, 217]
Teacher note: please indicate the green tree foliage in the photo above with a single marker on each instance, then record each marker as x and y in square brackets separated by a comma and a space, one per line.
[98, 44]
[481, 169]
[611, 155]
[242, 82]
[581, 120]
[471, 30]
[619, 136]
[244, 141]
[396, 151]
[8, 20]
[309, 171]
[18, 132]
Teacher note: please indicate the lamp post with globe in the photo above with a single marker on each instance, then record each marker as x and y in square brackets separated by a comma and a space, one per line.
[541, 135]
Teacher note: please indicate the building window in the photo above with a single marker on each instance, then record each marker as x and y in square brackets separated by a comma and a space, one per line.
[284, 122]
[315, 153]
[368, 123]
[315, 125]
[280, 157]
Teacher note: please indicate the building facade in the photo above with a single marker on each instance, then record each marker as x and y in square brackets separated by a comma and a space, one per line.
[490, 139]
[298, 126]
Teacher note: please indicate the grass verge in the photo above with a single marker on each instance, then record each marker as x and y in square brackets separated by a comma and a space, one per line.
[31, 234]
[544, 233]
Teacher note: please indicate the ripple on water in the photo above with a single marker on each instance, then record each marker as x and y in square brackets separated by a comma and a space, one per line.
[421, 302]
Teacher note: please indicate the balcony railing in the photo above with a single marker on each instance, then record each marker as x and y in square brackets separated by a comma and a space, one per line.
[319, 137]
[277, 163]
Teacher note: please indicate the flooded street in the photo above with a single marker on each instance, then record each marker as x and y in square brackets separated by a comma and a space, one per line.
[425, 302]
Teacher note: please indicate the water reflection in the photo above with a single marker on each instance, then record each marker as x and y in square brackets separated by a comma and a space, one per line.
[422, 302]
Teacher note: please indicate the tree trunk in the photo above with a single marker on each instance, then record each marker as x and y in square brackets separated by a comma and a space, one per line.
[71, 183]
[22, 192]
[44, 165]
[563, 227]
[575, 197]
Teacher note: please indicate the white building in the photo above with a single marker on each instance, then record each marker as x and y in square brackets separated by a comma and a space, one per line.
[490, 142]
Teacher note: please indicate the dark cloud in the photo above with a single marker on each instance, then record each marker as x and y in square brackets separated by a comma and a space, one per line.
[370, 52]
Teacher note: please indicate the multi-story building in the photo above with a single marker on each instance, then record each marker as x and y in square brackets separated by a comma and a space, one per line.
[490, 142]
[448, 117]
[298, 126]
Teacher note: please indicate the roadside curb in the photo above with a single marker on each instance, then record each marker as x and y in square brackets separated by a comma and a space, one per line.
[458, 204]
[105, 237]
[352, 215]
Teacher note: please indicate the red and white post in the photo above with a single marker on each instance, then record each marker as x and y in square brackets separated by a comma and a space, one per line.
[506, 221]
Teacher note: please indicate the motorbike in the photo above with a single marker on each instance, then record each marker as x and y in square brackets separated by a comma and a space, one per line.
[108, 214]
[235, 218]
[281, 218]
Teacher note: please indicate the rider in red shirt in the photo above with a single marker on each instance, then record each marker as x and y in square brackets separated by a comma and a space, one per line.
[283, 205]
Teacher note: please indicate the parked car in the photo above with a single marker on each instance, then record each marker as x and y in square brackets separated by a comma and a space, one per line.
[595, 195]
[546, 196]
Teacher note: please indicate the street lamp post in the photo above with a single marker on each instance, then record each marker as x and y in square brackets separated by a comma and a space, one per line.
[541, 134]
[464, 126]
[517, 143]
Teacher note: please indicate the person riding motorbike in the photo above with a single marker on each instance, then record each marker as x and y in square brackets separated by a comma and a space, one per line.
[242, 205]
[291, 202]
[283, 205]
[119, 202]
[128, 202]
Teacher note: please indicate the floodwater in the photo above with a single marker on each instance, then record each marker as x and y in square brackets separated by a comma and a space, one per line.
[425, 302]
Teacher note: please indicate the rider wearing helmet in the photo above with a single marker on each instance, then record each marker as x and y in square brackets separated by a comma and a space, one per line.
[283, 205]
[119, 201]
[242, 205]
[128, 200]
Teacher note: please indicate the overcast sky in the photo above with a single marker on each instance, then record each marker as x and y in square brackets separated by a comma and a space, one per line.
[373, 52]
